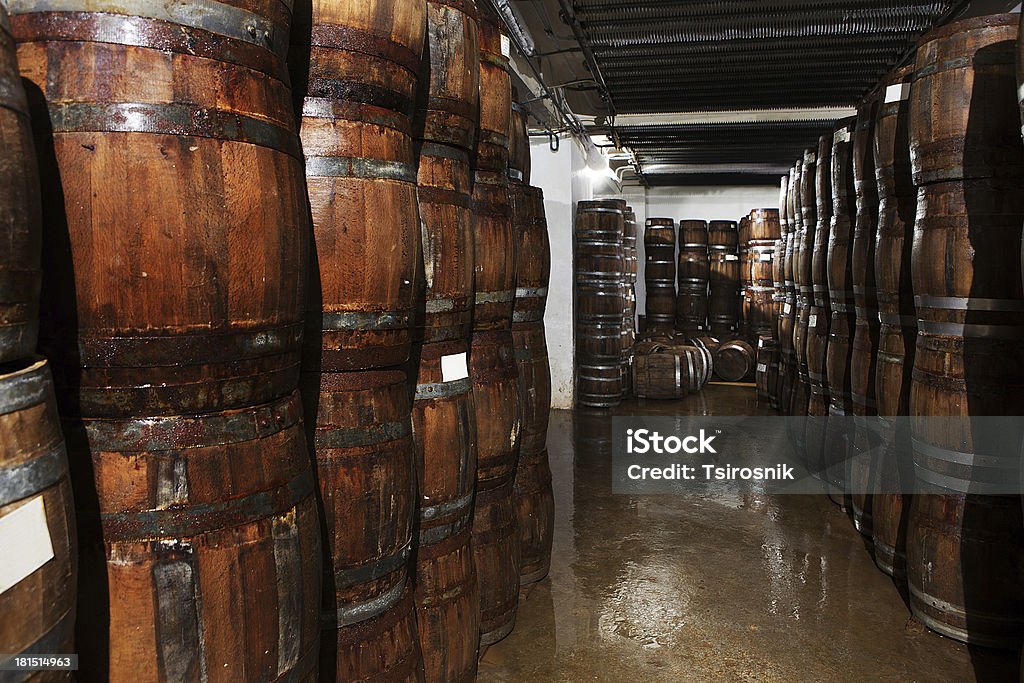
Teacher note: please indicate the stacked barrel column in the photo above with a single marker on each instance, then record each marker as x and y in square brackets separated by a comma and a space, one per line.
[864, 436]
[492, 366]
[898, 323]
[599, 264]
[629, 255]
[820, 314]
[840, 294]
[803, 278]
[764, 234]
[361, 176]
[660, 274]
[963, 546]
[37, 609]
[724, 279]
[786, 302]
[743, 244]
[693, 273]
[533, 492]
[176, 339]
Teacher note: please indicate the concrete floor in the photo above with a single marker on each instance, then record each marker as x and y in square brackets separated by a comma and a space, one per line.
[734, 587]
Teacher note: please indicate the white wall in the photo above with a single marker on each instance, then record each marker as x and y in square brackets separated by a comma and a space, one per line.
[709, 203]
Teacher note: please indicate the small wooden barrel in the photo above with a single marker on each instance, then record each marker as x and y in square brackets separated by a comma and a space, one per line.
[767, 370]
[183, 523]
[495, 376]
[206, 313]
[384, 646]
[765, 232]
[531, 352]
[671, 372]
[535, 516]
[533, 270]
[519, 145]
[660, 273]
[898, 331]
[366, 470]
[451, 113]
[492, 144]
[448, 609]
[733, 360]
[840, 276]
[963, 123]
[693, 275]
[37, 612]
[494, 246]
[445, 204]
[20, 213]
[496, 554]
[724, 278]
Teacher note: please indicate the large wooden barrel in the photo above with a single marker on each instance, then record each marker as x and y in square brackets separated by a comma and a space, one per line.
[765, 231]
[194, 530]
[898, 329]
[767, 373]
[734, 360]
[519, 165]
[207, 312]
[692, 277]
[494, 246]
[386, 644]
[447, 596]
[600, 264]
[450, 114]
[360, 429]
[671, 372]
[20, 213]
[445, 204]
[962, 123]
[724, 278]
[660, 273]
[37, 522]
[496, 554]
[533, 270]
[495, 96]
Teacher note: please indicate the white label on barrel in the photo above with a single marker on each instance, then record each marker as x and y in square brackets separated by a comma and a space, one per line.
[842, 135]
[25, 538]
[762, 367]
[766, 256]
[732, 257]
[786, 309]
[506, 46]
[897, 92]
[812, 321]
[454, 367]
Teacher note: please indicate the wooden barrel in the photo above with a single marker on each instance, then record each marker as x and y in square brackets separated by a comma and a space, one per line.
[733, 360]
[494, 246]
[207, 312]
[20, 213]
[765, 232]
[724, 278]
[495, 376]
[672, 372]
[599, 270]
[37, 607]
[533, 270]
[366, 470]
[968, 362]
[660, 273]
[898, 330]
[743, 250]
[386, 645]
[804, 282]
[531, 354]
[495, 97]
[451, 65]
[963, 125]
[183, 523]
[445, 205]
[447, 597]
[767, 370]
[694, 272]
[519, 145]
[535, 516]
[496, 554]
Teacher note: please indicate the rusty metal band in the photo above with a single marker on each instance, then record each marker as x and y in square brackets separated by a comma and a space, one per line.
[490, 137]
[21, 390]
[515, 174]
[970, 304]
[354, 613]
[203, 431]
[897, 320]
[434, 390]
[206, 15]
[447, 304]
[33, 475]
[55, 641]
[592, 239]
[188, 349]
[360, 320]
[694, 245]
[973, 330]
[996, 55]
[451, 106]
[531, 292]
[326, 108]
[354, 437]
[602, 209]
[196, 520]
[12, 95]
[358, 40]
[345, 578]
[172, 119]
[500, 61]
[430, 512]
[358, 91]
[360, 167]
[527, 316]
[437, 534]
[432, 149]
[500, 297]
[152, 33]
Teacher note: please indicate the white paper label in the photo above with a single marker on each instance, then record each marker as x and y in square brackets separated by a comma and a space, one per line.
[506, 46]
[897, 92]
[766, 256]
[732, 257]
[762, 367]
[760, 343]
[787, 309]
[841, 135]
[454, 367]
[25, 538]
[812, 321]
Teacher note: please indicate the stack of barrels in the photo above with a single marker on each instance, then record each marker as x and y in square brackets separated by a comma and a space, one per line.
[176, 340]
[631, 260]
[660, 274]
[600, 265]
[743, 249]
[693, 275]
[759, 310]
[724, 279]
[36, 509]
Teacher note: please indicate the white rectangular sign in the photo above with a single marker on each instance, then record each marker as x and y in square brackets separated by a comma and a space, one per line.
[454, 367]
[25, 539]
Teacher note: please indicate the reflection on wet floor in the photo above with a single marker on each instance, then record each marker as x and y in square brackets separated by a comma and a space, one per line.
[730, 586]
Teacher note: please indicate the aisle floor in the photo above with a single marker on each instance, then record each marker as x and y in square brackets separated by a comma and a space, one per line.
[730, 587]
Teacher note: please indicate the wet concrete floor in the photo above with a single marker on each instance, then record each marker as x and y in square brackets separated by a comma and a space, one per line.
[728, 587]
